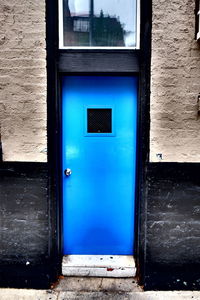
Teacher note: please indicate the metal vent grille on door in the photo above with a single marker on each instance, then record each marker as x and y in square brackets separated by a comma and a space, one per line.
[99, 120]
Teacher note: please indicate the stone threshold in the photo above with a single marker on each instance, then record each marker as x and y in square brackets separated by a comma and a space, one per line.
[122, 266]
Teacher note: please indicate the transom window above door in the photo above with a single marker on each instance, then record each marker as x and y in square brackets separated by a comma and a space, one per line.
[99, 24]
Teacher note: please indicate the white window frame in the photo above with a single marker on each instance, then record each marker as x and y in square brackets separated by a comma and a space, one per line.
[60, 28]
[198, 19]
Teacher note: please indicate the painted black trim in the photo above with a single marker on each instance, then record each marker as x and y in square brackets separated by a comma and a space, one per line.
[53, 125]
[143, 137]
[101, 61]
[1, 152]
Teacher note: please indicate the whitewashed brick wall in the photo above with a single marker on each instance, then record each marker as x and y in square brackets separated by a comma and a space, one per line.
[175, 83]
[23, 80]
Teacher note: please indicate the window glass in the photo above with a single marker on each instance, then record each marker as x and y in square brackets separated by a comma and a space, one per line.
[104, 23]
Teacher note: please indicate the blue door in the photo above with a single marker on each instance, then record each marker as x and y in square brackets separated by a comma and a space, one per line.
[99, 162]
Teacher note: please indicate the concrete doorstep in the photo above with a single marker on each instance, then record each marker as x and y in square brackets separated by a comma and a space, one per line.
[96, 288]
[99, 266]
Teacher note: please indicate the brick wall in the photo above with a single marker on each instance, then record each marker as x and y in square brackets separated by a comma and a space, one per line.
[23, 80]
[175, 83]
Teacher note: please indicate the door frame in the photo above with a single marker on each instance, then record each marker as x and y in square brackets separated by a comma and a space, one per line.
[58, 64]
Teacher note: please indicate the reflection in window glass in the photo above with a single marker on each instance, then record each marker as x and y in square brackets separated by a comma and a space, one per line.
[104, 23]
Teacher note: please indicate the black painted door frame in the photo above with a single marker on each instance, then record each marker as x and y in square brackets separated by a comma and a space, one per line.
[61, 62]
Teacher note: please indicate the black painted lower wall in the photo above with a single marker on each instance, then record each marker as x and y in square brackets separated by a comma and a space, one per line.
[172, 226]
[171, 254]
[25, 230]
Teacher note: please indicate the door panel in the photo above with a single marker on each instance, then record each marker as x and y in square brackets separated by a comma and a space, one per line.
[99, 146]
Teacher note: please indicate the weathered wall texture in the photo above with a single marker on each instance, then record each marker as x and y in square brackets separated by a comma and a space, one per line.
[172, 248]
[175, 83]
[23, 80]
[27, 237]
